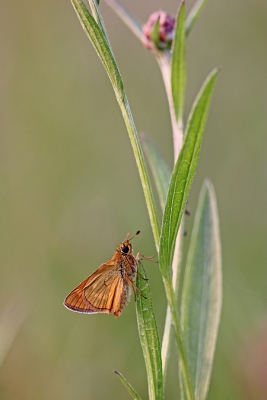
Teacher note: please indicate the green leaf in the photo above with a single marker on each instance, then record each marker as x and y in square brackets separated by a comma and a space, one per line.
[193, 15]
[180, 185]
[159, 168]
[202, 291]
[183, 174]
[149, 339]
[128, 386]
[133, 24]
[94, 5]
[101, 45]
[178, 70]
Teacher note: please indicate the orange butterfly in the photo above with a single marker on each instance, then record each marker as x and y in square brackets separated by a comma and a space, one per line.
[108, 289]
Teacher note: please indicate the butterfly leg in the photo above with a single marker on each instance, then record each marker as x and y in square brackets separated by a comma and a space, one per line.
[142, 277]
[140, 257]
[134, 290]
[129, 280]
[136, 271]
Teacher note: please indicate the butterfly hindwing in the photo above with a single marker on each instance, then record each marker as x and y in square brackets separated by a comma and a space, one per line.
[99, 293]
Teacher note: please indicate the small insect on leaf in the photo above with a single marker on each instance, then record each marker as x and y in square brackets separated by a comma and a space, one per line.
[108, 289]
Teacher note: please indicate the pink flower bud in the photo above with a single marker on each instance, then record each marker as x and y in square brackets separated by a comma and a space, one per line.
[162, 39]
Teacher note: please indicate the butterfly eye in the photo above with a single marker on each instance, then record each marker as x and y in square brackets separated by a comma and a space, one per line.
[125, 249]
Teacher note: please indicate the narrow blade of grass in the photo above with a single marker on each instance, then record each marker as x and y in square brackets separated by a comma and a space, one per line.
[101, 45]
[193, 15]
[178, 70]
[160, 170]
[149, 339]
[202, 291]
[128, 386]
[183, 174]
[133, 24]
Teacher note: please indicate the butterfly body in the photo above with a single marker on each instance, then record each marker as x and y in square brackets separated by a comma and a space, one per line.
[108, 289]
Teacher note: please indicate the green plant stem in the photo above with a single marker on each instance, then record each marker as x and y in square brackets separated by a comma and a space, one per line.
[177, 126]
[131, 21]
[141, 165]
[176, 269]
[177, 331]
[178, 134]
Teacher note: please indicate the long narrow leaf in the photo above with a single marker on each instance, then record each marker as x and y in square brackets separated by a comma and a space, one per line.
[183, 174]
[178, 70]
[94, 5]
[202, 291]
[149, 337]
[128, 386]
[180, 185]
[160, 170]
[193, 15]
[101, 45]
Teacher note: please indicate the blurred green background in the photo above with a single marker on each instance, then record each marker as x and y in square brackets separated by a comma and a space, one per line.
[70, 192]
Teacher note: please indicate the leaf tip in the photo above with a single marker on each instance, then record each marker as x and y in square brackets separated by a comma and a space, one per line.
[215, 71]
[208, 187]
[207, 181]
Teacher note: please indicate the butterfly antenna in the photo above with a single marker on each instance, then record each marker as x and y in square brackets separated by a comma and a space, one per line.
[137, 233]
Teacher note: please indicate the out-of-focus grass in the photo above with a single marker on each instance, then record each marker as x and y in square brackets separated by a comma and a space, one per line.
[70, 192]
[11, 319]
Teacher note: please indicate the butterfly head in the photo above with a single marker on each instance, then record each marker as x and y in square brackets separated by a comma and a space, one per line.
[126, 246]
